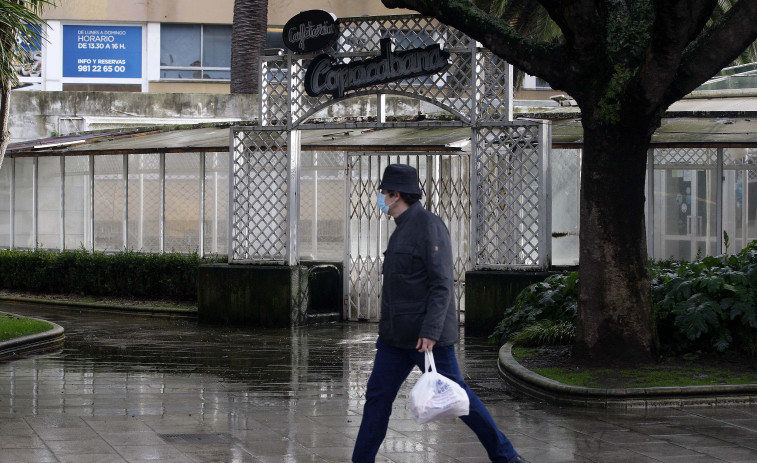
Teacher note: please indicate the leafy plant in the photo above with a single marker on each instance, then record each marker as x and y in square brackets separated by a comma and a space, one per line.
[706, 305]
[555, 299]
[545, 333]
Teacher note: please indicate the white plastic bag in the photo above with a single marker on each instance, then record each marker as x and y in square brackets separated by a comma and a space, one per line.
[435, 396]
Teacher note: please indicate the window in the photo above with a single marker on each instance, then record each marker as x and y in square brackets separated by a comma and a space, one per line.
[195, 52]
[29, 69]
[535, 83]
[274, 37]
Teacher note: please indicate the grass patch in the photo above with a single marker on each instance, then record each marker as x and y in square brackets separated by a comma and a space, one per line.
[12, 326]
[662, 376]
[573, 378]
[523, 353]
[671, 372]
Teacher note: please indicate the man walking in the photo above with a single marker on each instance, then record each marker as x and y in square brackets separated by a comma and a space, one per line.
[417, 314]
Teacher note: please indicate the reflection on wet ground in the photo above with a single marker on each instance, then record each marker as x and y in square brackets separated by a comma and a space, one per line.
[134, 388]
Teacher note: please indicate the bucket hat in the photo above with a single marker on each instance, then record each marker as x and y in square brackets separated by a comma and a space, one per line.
[402, 178]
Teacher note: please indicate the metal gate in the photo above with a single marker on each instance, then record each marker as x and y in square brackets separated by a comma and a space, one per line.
[445, 180]
[494, 199]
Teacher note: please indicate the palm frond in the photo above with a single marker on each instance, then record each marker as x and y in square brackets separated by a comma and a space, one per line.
[19, 22]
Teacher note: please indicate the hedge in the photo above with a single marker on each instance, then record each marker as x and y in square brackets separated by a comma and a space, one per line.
[170, 276]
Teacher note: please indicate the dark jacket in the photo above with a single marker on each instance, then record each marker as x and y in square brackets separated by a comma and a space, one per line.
[417, 298]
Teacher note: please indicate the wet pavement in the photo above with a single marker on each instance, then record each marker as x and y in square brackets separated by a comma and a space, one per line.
[127, 388]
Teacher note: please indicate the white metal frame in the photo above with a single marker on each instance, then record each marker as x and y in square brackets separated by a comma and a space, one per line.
[476, 89]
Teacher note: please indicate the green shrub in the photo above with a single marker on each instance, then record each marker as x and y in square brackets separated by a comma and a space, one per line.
[708, 305]
[545, 333]
[170, 276]
[555, 299]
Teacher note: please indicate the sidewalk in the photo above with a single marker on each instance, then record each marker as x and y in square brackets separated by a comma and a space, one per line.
[130, 388]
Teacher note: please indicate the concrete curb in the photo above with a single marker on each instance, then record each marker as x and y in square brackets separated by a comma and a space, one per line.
[143, 309]
[528, 383]
[45, 341]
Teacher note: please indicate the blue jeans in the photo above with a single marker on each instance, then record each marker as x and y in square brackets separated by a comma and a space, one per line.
[390, 369]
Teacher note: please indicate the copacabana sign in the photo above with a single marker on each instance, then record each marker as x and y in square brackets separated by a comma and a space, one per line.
[310, 31]
[324, 76]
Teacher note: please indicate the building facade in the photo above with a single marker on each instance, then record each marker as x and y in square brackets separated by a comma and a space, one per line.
[165, 46]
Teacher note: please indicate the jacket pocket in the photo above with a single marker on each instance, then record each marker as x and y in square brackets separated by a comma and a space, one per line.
[407, 319]
[402, 260]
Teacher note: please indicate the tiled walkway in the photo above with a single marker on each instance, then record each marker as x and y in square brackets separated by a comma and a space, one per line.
[137, 389]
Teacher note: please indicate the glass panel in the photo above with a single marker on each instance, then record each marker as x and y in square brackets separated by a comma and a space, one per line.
[144, 202]
[48, 203]
[308, 210]
[685, 214]
[5, 203]
[216, 227]
[750, 203]
[180, 44]
[739, 208]
[224, 75]
[739, 198]
[182, 202]
[274, 38]
[329, 174]
[109, 203]
[23, 231]
[566, 185]
[181, 74]
[77, 203]
[216, 46]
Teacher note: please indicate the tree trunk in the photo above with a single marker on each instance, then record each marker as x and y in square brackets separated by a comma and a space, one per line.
[615, 319]
[248, 39]
[5, 103]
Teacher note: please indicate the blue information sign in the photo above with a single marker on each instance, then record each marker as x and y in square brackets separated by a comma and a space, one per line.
[102, 51]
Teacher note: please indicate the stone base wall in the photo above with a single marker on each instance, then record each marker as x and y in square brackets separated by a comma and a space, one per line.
[488, 293]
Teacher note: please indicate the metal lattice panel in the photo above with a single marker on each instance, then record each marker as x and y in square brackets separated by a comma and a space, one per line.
[260, 196]
[740, 158]
[109, 203]
[182, 195]
[448, 196]
[510, 198]
[368, 232]
[322, 205]
[216, 226]
[445, 181]
[77, 203]
[275, 94]
[494, 87]
[285, 102]
[144, 226]
[672, 157]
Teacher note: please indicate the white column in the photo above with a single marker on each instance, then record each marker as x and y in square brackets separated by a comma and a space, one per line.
[52, 56]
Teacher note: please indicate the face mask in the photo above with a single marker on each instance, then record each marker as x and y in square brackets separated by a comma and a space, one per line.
[382, 203]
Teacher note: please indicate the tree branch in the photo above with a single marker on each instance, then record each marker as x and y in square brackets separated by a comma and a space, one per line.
[544, 60]
[579, 21]
[676, 24]
[715, 49]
